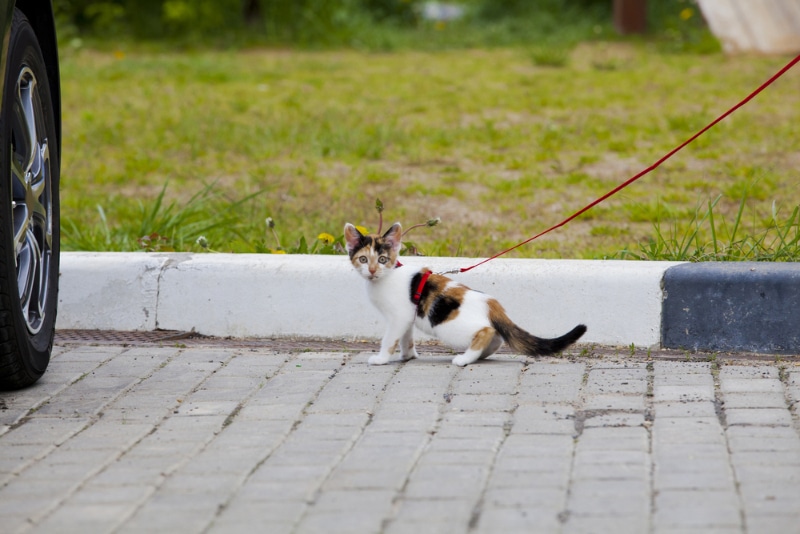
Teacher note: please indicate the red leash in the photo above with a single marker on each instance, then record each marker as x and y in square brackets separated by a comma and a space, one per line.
[646, 171]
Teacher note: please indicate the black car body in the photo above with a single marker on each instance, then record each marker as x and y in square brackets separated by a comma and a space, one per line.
[30, 156]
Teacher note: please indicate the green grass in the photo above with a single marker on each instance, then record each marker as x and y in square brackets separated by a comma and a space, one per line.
[704, 237]
[499, 143]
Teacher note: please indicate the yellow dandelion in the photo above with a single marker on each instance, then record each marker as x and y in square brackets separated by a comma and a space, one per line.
[686, 13]
[363, 230]
[326, 238]
[277, 251]
[119, 54]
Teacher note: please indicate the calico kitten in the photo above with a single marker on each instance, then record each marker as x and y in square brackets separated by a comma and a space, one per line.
[460, 317]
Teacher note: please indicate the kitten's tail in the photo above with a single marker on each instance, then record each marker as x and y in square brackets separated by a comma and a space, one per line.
[526, 343]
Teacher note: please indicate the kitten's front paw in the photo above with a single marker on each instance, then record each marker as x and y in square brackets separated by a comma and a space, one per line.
[410, 355]
[378, 359]
[462, 359]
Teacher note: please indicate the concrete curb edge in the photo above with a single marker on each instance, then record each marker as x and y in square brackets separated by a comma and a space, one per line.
[254, 295]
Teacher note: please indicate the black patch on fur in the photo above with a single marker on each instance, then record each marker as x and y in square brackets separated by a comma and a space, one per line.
[430, 285]
[413, 289]
[379, 244]
[382, 247]
[441, 309]
[365, 241]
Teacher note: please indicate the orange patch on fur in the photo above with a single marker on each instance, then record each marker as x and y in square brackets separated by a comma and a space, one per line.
[482, 338]
[497, 314]
[457, 292]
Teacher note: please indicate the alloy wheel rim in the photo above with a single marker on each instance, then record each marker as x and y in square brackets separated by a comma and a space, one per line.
[31, 202]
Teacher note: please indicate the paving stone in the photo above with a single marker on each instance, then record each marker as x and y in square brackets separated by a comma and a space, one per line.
[470, 432]
[683, 393]
[613, 439]
[705, 509]
[705, 480]
[333, 511]
[446, 481]
[612, 457]
[748, 372]
[684, 409]
[522, 519]
[615, 402]
[452, 513]
[218, 439]
[673, 368]
[551, 498]
[771, 498]
[773, 475]
[490, 402]
[759, 438]
[500, 418]
[750, 385]
[668, 460]
[537, 445]
[44, 431]
[611, 471]
[625, 524]
[465, 444]
[240, 516]
[749, 399]
[629, 498]
[677, 430]
[758, 417]
[615, 419]
[524, 423]
[385, 477]
[556, 477]
[789, 458]
[696, 378]
[773, 522]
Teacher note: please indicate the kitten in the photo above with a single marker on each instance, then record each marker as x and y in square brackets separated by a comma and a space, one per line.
[462, 318]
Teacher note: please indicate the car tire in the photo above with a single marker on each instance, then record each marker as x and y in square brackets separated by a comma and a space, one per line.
[29, 212]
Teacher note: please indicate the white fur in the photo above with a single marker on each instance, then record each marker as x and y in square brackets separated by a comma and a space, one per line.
[389, 293]
[389, 288]
[473, 315]
[383, 292]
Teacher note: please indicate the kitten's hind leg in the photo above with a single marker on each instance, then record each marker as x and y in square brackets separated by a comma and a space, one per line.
[484, 344]
[470, 356]
[497, 340]
[407, 349]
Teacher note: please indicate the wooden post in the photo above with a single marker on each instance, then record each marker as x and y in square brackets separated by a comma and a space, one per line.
[630, 16]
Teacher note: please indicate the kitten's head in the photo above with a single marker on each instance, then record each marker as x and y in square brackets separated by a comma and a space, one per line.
[373, 255]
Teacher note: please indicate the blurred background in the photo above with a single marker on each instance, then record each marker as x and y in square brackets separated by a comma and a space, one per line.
[263, 125]
[365, 24]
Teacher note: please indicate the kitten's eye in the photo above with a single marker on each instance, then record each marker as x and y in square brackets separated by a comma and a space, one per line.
[362, 259]
[383, 259]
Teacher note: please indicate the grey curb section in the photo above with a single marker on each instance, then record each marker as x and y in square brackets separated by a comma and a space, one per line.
[752, 307]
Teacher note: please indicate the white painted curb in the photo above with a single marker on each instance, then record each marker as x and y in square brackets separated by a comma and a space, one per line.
[262, 295]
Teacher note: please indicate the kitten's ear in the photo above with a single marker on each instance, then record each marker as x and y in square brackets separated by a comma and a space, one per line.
[352, 237]
[394, 236]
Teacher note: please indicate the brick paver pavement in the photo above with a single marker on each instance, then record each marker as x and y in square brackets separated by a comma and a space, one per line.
[223, 439]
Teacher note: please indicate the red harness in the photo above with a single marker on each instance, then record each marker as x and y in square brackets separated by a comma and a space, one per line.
[422, 281]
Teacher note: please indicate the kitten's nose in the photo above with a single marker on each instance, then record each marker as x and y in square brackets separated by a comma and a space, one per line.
[372, 270]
